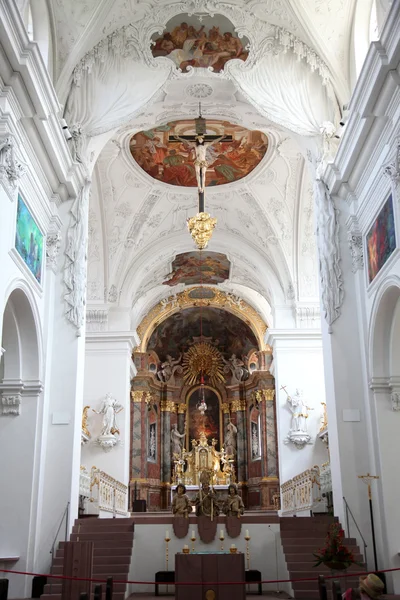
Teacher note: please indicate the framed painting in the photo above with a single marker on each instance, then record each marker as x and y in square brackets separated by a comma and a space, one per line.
[29, 240]
[381, 239]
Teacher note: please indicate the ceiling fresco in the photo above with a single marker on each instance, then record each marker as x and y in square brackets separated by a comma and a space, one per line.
[190, 43]
[199, 267]
[167, 152]
[176, 334]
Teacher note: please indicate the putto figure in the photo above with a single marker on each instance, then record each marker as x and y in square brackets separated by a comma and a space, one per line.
[181, 506]
[233, 506]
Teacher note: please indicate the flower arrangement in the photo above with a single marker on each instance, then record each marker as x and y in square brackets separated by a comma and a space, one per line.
[335, 555]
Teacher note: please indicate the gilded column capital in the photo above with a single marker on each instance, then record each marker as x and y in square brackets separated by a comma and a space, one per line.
[141, 396]
[168, 406]
[238, 405]
[260, 395]
[225, 408]
[182, 408]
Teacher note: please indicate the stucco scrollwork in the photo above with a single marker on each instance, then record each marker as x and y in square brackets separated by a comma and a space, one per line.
[11, 169]
[53, 244]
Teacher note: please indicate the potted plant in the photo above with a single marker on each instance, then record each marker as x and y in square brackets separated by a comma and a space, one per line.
[335, 555]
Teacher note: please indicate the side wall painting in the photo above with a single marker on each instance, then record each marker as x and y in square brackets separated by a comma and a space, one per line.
[381, 239]
[29, 240]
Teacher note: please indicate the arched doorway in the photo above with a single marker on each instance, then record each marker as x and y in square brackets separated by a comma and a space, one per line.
[20, 390]
[384, 358]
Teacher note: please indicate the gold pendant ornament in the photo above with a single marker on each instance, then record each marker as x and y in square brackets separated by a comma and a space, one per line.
[203, 358]
[201, 228]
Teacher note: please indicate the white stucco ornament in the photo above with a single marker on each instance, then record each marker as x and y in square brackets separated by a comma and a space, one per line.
[298, 434]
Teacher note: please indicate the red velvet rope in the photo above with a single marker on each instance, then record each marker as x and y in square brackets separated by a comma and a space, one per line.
[358, 574]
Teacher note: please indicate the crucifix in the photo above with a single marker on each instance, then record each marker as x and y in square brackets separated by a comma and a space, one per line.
[201, 226]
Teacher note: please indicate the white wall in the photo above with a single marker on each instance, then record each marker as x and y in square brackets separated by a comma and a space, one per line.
[148, 555]
[298, 363]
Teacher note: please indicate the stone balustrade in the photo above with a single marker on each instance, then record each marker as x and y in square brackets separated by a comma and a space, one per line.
[303, 493]
[84, 483]
[107, 494]
[326, 478]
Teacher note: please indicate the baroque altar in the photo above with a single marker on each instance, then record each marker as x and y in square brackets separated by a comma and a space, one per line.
[204, 461]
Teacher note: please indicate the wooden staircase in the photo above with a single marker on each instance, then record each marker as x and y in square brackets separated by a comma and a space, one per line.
[113, 541]
[301, 536]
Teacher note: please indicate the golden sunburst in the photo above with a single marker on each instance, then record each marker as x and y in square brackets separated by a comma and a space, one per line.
[203, 358]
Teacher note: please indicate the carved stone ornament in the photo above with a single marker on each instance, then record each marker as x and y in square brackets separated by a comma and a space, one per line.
[11, 169]
[201, 229]
[107, 442]
[53, 244]
[392, 170]
[11, 405]
[96, 319]
[395, 400]
[199, 90]
[298, 438]
[356, 250]
[75, 264]
[329, 254]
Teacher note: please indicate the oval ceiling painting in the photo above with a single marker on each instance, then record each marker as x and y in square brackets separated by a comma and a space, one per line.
[207, 44]
[167, 152]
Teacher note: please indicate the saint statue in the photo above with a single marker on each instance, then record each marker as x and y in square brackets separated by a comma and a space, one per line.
[109, 409]
[176, 440]
[299, 411]
[233, 506]
[181, 506]
[201, 157]
[230, 439]
[206, 502]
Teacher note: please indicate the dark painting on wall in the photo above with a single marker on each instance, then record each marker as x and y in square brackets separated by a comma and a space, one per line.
[381, 239]
[209, 423]
[29, 240]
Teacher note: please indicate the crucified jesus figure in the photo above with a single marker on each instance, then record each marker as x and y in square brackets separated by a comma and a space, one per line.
[200, 162]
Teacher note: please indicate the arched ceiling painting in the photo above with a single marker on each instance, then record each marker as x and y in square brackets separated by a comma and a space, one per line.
[189, 43]
[176, 334]
[167, 152]
[199, 267]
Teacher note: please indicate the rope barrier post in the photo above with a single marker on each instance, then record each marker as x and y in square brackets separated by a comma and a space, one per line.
[3, 589]
[336, 590]
[323, 591]
[109, 588]
[98, 592]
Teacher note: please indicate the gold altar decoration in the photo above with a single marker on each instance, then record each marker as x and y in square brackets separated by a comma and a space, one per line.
[201, 228]
[168, 406]
[220, 299]
[324, 420]
[204, 462]
[203, 358]
[182, 408]
[238, 405]
[85, 429]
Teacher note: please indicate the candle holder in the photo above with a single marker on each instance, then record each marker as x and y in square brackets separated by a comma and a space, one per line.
[221, 538]
[193, 539]
[247, 538]
[167, 540]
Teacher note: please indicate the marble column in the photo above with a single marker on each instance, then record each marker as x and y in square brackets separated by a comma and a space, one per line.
[271, 447]
[167, 406]
[225, 420]
[239, 407]
[136, 443]
[182, 408]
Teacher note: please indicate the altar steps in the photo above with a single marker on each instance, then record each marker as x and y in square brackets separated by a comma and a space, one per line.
[113, 541]
[301, 537]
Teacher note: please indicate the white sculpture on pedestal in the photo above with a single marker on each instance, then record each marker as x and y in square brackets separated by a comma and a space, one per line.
[109, 409]
[298, 434]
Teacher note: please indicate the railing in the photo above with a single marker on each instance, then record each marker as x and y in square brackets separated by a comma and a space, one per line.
[65, 516]
[326, 478]
[348, 512]
[109, 494]
[302, 493]
[84, 483]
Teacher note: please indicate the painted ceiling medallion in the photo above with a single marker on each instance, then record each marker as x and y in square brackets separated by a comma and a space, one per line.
[203, 358]
[191, 44]
[167, 152]
[191, 268]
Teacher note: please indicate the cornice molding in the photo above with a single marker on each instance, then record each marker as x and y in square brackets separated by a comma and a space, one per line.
[292, 335]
